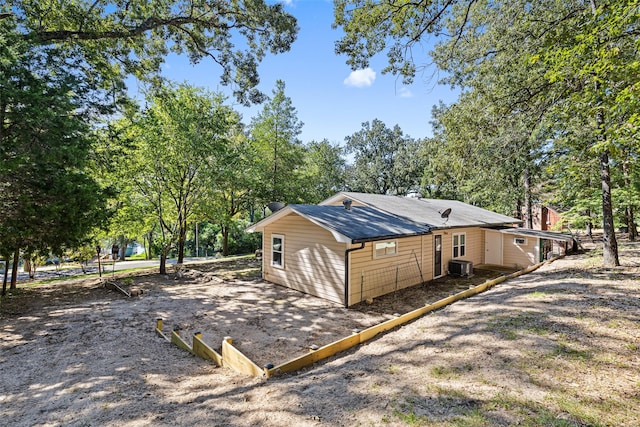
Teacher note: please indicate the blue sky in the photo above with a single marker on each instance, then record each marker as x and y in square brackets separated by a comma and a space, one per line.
[331, 101]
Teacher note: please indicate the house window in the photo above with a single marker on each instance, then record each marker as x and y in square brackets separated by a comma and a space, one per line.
[277, 250]
[382, 249]
[520, 241]
[459, 244]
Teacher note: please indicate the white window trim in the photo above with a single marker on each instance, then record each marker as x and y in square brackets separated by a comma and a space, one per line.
[375, 254]
[523, 243]
[281, 251]
[453, 247]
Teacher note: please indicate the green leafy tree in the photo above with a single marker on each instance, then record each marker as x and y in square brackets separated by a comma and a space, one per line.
[274, 133]
[131, 217]
[323, 171]
[595, 54]
[499, 115]
[106, 40]
[178, 142]
[230, 189]
[49, 200]
[385, 161]
[575, 58]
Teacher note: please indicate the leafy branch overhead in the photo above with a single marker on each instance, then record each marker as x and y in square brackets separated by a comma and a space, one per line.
[396, 27]
[133, 37]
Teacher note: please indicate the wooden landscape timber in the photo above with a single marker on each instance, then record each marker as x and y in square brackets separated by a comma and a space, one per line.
[159, 330]
[202, 350]
[234, 359]
[112, 285]
[177, 340]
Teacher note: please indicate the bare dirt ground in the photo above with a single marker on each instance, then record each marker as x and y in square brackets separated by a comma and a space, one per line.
[559, 346]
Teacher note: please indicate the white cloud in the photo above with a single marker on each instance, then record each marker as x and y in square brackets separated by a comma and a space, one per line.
[405, 93]
[361, 78]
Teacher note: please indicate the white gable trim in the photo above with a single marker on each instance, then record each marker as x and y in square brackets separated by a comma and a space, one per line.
[259, 226]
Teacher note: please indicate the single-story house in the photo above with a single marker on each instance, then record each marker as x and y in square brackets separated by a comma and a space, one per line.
[357, 246]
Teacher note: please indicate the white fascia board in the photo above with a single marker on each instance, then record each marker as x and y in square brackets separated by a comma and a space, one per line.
[259, 226]
[538, 234]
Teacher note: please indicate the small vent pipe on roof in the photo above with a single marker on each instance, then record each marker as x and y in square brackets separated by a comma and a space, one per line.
[347, 204]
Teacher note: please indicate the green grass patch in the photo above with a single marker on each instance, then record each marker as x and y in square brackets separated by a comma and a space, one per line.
[537, 294]
[587, 411]
[450, 372]
[393, 369]
[533, 413]
[446, 392]
[248, 273]
[405, 412]
[565, 350]
[510, 327]
[473, 418]
[440, 372]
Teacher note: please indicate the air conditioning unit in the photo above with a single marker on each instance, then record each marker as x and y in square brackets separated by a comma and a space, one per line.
[460, 268]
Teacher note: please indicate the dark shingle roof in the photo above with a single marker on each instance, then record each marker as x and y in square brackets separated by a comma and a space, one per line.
[378, 217]
[360, 223]
[429, 211]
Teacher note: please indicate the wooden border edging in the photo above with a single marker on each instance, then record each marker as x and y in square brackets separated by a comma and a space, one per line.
[202, 350]
[234, 359]
[159, 329]
[114, 286]
[177, 340]
[199, 347]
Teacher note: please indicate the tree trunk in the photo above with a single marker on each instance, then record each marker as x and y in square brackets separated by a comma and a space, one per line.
[589, 227]
[14, 269]
[633, 233]
[163, 262]
[527, 199]
[123, 248]
[181, 241]
[225, 240]
[610, 244]
[631, 226]
[5, 276]
[149, 243]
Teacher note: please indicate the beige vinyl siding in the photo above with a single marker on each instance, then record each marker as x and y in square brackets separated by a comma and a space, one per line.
[520, 255]
[372, 277]
[313, 260]
[474, 247]
[427, 257]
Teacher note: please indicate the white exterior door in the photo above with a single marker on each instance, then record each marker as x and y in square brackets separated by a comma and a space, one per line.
[492, 247]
